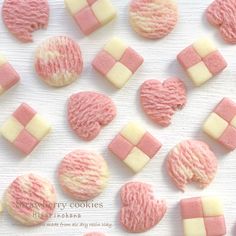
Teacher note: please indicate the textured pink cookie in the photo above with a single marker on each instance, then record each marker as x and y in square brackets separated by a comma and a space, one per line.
[161, 100]
[59, 61]
[88, 112]
[23, 17]
[140, 211]
[222, 14]
[191, 161]
[94, 234]
[153, 19]
[83, 175]
[30, 199]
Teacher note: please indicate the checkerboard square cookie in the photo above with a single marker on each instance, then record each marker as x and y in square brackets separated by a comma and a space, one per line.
[134, 146]
[202, 61]
[117, 62]
[203, 216]
[25, 129]
[90, 15]
[221, 123]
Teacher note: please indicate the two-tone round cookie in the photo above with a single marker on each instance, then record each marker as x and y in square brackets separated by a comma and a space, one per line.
[153, 19]
[23, 17]
[30, 199]
[59, 61]
[83, 175]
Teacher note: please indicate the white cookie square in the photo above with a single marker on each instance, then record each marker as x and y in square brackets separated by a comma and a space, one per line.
[204, 47]
[74, 6]
[194, 227]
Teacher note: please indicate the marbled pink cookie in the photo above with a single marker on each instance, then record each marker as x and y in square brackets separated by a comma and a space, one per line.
[161, 100]
[83, 175]
[222, 13]
[140, 211]
[88, 112]
[94, 234]
[59, 61]
[191, 161]
[153, 19]
[23, 17]
[30, 199]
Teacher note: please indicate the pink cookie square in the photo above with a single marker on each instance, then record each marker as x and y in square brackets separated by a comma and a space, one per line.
[188, 57]
[149, 145]
[103, 62]
[215, 226]
[131, 59]
[25, 142]
[87, 21]
[8, 76]
[91, 2]
[120, 147]
[226, 109]
[215, 62]
[24, 114]
[228, 138]
[191, 208]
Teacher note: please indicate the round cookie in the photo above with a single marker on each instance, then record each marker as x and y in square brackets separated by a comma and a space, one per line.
[83, 175]
[59, 61]
[153, 19]
[94, 234]
[30, 199]
[222, 14]
[88, 112]
[161, 100]
[191, 161]
[23, 17]
[140, 211]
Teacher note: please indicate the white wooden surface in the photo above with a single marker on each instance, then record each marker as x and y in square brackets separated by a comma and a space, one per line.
[160, 63]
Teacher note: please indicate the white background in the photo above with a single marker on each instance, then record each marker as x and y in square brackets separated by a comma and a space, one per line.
[160, 63]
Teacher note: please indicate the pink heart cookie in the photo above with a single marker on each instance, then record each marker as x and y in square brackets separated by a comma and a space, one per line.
[140, 211]
[222, 13]
[88, 112]
[161, 100]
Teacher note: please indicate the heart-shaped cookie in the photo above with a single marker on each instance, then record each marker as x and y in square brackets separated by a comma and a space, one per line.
[222, 13]
[161, 100]
[88, 112]
[140, 211]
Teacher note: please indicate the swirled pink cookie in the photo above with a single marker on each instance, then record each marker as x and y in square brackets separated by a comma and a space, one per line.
[30, 199]
[222, 14]
[88, 112]
[161, 100]
[59, 61]
[83, 175]
[140, 211]
[191, 161]
[94, 234]
[23, 17]
[153, 19]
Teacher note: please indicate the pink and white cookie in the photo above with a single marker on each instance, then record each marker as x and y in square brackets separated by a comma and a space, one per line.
[134, 146]
[140, 210]
[8, 76]
[191, 161]
[153, 19]
[203, 216]
[117, 62]
[88, 112]
[25, 129]
[202, 61]
[95, 234]
[59, 61]
[30, 199]
[161, 100]
[222, 14]
[83, 175]
[91, 15]
[221, 124]
[23, 17]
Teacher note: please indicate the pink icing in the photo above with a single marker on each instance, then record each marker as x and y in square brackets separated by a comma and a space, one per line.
[83, 175]
[191, 161]
[140, 211]
[23, 17]
[88, 112]
[161, 100]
